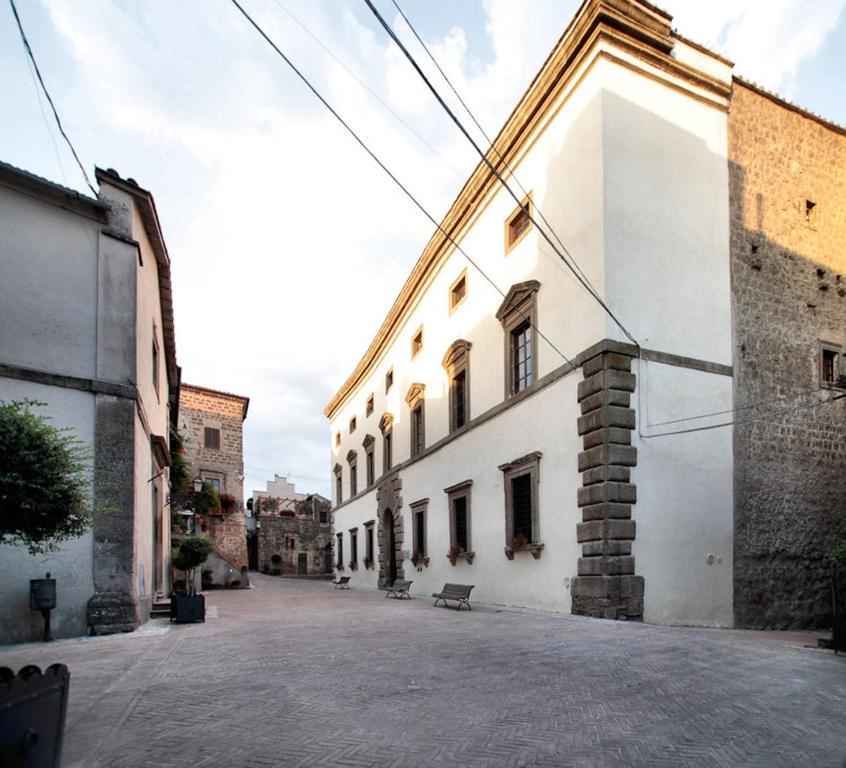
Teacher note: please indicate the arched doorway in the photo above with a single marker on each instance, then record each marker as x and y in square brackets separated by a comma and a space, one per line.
[390, 546]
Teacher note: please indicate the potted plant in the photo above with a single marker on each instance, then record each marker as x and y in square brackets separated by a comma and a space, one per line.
[228, 503]
[353, 565]
[277, 561]
[368, 563]
[516, 542]
[189, 555]
[453, 552]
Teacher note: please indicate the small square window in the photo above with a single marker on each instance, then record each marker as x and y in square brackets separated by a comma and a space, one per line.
[337, 439]
[353, 424]
[458, 291]
[811, 213]
[417, 342]
[389, 380]
[211, 438]
[830, 365]
[519, 223]
[369, 408]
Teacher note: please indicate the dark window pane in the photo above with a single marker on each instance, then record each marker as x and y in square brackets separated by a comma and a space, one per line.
[459, 507]
[420, 528]
[459, 400]
[211, 438]
[521, 506]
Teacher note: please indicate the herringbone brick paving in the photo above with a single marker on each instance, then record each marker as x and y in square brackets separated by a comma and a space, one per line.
[294, 673]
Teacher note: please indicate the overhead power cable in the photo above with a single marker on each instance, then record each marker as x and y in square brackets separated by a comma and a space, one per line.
[524, 208]
[491, 144]
[768, 415]
[387, 170]
[47, 94]
[367, 88]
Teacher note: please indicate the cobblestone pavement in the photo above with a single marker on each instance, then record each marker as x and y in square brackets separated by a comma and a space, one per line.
[295, 673]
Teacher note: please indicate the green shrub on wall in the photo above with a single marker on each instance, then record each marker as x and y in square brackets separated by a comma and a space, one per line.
[45, 490]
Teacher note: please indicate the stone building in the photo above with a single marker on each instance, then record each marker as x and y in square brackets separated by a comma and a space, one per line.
[211, 424]
[87, 328]
[295, 526]
[676, 457]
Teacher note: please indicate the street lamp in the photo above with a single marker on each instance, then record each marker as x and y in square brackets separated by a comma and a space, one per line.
[198, 484]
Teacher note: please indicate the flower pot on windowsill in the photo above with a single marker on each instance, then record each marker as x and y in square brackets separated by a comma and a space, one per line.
[353, 566]
[454, 554]
[368, 564]
[420, 561]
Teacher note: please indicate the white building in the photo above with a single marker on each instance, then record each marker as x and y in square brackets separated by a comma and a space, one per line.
[556, 481]
[87, 328]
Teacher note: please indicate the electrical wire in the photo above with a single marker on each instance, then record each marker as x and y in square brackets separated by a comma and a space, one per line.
[49, 99]
[491, 144]
[746, 421]
[367, 88]
[494, 171]
[387, 170]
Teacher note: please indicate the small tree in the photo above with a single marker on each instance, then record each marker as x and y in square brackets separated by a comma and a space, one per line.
[45, 490]
[189, 555]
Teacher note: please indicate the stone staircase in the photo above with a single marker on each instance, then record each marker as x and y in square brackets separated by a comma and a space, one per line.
[161, 608]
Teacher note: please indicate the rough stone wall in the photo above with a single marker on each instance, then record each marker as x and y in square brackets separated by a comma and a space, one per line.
[200, 408]
[309, 535]
[789, 293]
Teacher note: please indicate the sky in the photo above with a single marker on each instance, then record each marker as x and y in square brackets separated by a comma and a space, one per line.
[288, 245]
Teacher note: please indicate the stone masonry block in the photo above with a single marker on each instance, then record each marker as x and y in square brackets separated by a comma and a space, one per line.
[616, 435]
[607, 361]
[632, 587]
[625, 493]
[606, 547]
[607, 510]
[605, 397]
[606, 566]
[621, 455]
[596, 587]
[607, 416]
[606, 380]
[596, 530]
[606, 475]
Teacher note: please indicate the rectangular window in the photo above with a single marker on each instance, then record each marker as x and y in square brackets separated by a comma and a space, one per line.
[324, 516]
[211, 438]
[387, 458]
[339, 561]
[371, 469]
[155, 362]
[339, 495]
[420, 533]
[519, 223]
[418, 434]
[214, 482]
[460, 539]
[459, 400]
[389, 380]
[522, 364]
[354, 547]
[369, 408]
[521, 504]
[337, 439]
[830, 356]
[368, 541]
[353, 479]
[458, 291]
[353, 424]
[417, 342]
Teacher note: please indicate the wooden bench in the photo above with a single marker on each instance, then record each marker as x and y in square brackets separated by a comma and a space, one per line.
[342, 583]
[457, 592]
[399, 589]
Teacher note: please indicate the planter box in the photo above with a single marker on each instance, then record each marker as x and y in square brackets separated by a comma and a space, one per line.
[185, 608]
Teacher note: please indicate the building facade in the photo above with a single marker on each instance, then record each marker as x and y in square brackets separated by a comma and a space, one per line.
[506, 430]
[211, 424]
[87, 318]
[290, 533]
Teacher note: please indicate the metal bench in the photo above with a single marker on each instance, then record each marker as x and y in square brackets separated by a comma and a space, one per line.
[399, 589]
[458, 592]
[342, 583]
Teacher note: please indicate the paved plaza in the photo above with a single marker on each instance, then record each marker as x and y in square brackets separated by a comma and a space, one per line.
[295, 673]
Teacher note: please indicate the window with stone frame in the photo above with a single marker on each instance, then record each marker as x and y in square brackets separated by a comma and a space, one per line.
[419, 510]
[368, 541]
[369, 407]
[521, 481]
[386, 425]
[339, 484]
[458, 291]
[369, 460]
[389, 380]
[353, 548]
[353, 424]
[211, 438]
[458, 498]
[155, 361]
[518, 315]
[352, 462]
[213, 482]
[337, 439]
[519, 223]
[339, 554]
[831, 356]
[417, 342]
[416, 399]
[457, 364]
